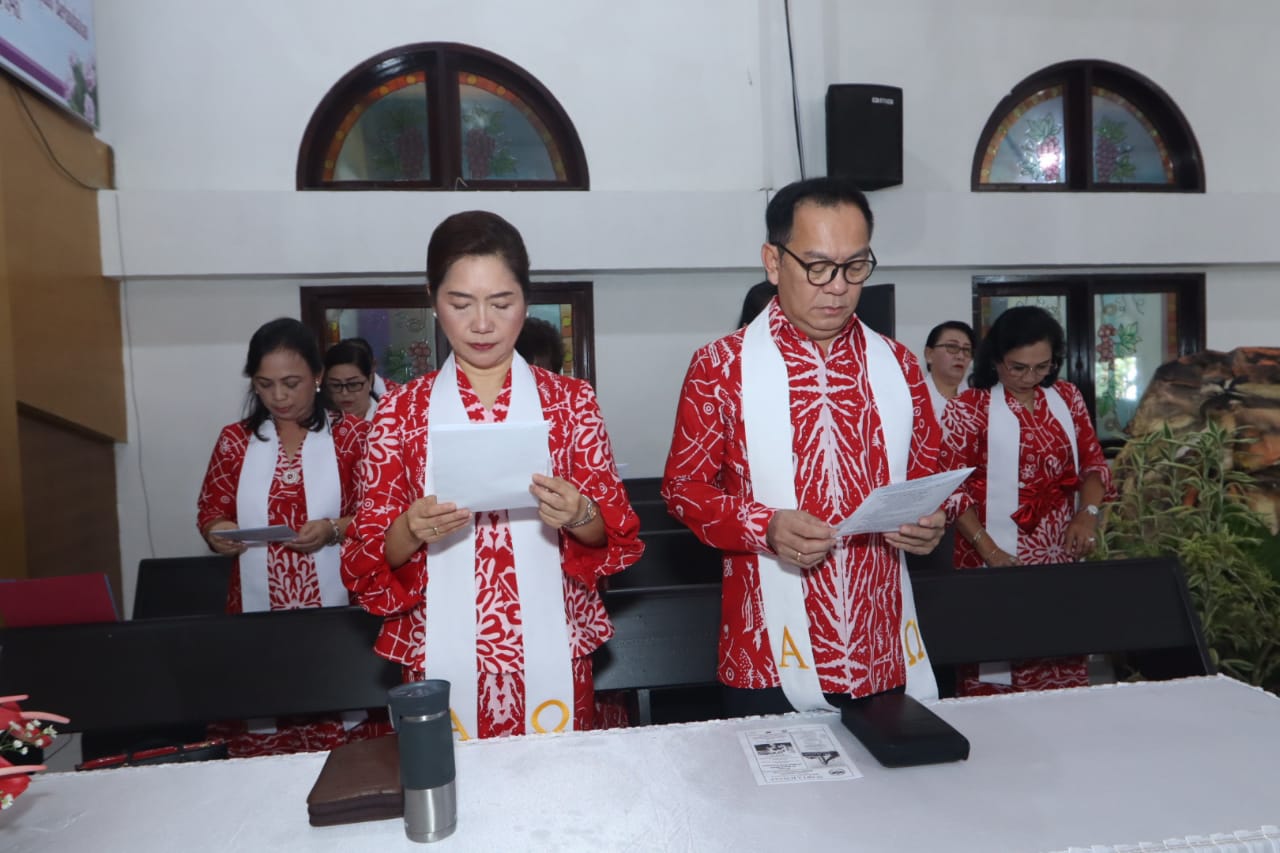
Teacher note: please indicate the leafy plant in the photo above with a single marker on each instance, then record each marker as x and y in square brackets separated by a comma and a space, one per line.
[1179, 496]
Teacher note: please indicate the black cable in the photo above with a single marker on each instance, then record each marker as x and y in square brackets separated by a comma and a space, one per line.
[795, 94]
[48, 149]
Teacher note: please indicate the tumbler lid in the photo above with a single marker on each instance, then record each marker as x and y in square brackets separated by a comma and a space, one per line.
[419, 699]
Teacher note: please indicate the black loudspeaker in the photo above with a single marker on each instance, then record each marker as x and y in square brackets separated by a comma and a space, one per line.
[864, 134]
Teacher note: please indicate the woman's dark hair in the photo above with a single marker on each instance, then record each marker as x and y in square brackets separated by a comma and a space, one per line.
[540, 343]
[364, 345]
[755, 301]
[953, 326]
[1018, 327]
[476, 232]
[780, 214]
[352, 351]
[284, 333]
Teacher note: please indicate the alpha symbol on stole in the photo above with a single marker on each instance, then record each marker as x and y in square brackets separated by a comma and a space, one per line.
[458, 727]
[789, 650]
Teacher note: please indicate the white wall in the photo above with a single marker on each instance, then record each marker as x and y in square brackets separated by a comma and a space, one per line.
[685, 115]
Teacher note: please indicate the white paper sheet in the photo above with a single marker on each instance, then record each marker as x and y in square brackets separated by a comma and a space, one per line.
[254, 535]
[806, 753]
[889, 507]
[483, 467]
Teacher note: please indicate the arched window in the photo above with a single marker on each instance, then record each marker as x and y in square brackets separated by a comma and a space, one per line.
[440, 116]
[1088, 125]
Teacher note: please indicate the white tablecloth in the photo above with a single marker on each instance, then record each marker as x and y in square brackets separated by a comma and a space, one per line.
[1115, 765]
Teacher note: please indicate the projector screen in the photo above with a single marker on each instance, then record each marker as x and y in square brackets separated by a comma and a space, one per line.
[48, 44]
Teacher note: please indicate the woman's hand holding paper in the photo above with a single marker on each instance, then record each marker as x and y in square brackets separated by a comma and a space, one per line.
[429, 520]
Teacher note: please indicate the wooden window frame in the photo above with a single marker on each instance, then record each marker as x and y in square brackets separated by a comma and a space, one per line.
[1078, 77]
[439, 63]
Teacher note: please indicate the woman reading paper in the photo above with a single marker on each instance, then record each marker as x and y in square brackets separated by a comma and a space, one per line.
[501, 603]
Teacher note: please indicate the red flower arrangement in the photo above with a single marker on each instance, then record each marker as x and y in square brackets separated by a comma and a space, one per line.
[19, 731]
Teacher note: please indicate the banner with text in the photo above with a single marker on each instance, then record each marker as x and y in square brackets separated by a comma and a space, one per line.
[49, 45]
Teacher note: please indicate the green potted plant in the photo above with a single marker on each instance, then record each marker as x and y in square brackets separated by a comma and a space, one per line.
[1181, 496]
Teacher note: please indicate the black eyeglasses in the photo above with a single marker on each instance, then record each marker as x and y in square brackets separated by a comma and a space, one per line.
[1044, 368]
[954, 348]
[353, 386]
[822, 273]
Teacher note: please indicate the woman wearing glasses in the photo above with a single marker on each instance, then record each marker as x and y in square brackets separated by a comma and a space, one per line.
[1040, 476]
[348, 377]
[948, 352]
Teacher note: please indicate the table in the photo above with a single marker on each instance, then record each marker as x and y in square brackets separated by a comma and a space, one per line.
[1114, 765]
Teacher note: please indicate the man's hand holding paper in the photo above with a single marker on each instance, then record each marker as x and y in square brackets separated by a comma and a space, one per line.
[908, 512]
[799, 538]
[920, 538]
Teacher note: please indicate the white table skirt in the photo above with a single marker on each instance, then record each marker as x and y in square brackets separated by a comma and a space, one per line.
[1161, 763]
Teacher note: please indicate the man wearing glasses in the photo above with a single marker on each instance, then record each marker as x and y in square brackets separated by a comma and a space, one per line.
[782, 430]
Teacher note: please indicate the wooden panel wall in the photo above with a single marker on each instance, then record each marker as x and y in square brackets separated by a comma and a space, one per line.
[61, 350]
[69, 495]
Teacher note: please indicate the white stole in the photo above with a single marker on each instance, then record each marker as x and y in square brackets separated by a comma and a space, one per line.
[766, 414]
[938, 400]
[323, 491]
[1004, 448]
[451, 585]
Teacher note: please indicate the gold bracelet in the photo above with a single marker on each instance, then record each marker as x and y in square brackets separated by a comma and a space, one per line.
[976, 537]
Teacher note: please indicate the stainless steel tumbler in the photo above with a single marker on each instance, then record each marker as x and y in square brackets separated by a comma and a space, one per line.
[420, 715]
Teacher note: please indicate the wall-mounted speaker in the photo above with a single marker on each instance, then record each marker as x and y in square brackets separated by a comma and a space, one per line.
[864, 134]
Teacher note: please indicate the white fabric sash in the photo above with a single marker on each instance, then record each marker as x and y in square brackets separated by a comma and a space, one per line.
[939, 401]
[451, 585]
[323, 491]
[1004, 448]
[766, 411]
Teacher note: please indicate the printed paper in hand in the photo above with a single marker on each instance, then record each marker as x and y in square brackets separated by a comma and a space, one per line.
[484, 467]
[889, 507]
[259, 535]
[784, 756]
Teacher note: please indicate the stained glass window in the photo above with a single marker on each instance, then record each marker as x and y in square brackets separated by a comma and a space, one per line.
[1126, 146]
[401, 338]
[1028, 146]
[1087, 126]
[440, 116]
[1134, 333]
[502, 137]
[993, 306]
[385, 137]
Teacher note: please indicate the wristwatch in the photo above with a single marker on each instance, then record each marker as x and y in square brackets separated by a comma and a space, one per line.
[1092, 509]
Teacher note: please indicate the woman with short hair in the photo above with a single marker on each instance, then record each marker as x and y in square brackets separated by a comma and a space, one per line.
[1040, 474]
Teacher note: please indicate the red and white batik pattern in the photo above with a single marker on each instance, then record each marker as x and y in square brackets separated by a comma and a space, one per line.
[853, 600]
[291, 577]
[1045, 463]
[395, 471]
